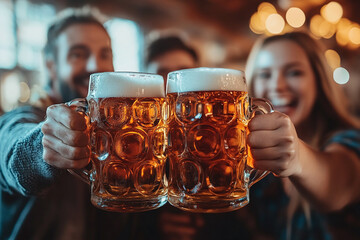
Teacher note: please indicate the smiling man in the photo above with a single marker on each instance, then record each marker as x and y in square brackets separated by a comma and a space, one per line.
[39, 198]
[75, 49]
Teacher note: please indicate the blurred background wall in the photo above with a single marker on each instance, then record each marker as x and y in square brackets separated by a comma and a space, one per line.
[222, 31]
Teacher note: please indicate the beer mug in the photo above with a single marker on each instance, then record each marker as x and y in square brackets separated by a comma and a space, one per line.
[128, 141]
[210, 162]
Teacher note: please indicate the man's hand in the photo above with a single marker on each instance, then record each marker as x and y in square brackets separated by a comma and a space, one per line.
[66, 138]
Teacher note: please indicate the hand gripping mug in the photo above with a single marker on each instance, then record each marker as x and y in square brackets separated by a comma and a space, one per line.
[128, 141]
[210, 162]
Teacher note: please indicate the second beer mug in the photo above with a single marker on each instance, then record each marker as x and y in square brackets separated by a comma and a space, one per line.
[210, 165]
[128, 141]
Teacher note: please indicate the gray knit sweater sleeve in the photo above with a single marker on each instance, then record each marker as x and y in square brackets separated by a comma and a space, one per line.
[22, 168]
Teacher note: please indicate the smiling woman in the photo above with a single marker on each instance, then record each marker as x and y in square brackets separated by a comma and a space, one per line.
[291, 70]
[310, 141]
[287, 80]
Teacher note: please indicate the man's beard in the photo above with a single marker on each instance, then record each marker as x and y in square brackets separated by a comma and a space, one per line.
[68, 93]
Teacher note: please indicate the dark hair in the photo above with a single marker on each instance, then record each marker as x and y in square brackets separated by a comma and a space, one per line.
[65, 19]
[166, 44]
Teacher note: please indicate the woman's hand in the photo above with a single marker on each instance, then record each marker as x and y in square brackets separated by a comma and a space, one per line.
[274, 144]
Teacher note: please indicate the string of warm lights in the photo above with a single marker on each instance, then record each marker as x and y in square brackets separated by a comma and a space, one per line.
[328, 23]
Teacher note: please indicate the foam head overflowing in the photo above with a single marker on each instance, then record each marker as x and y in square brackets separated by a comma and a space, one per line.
[206, 79]
[125, 84]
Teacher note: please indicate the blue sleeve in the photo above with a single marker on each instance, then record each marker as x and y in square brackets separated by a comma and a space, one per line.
[349, 139]
[22, 168]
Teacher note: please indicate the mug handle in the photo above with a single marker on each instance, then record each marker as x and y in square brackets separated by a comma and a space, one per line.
[257, 106]
[81, 105]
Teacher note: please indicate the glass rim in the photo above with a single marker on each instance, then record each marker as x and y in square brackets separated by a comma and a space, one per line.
[206, 79]
[126, 84]
[124, 72]
[203, 69]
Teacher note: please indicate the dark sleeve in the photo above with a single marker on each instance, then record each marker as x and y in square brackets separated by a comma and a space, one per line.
[22, 168]
[349, 139]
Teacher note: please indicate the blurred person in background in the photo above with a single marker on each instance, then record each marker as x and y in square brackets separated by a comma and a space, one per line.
[170, 53]
[309, 142]
[164, 54]
[39, 198]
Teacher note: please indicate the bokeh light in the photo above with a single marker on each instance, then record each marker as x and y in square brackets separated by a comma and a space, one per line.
[354, 34]
[342, 33]
[256, 25]
[332, 12]
[265, 9]
[24, 92]
[315, 23]
[295, 17]
[341, 75]
[327, 30]
[352, 46]
[333, 58]
[10, 91]
[327, 24]
[275, 23]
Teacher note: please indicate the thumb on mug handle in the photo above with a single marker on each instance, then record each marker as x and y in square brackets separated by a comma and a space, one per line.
[257, 106]
[81, 105]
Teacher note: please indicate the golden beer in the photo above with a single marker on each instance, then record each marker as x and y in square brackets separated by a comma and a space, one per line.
[128, 141]
[207, 150]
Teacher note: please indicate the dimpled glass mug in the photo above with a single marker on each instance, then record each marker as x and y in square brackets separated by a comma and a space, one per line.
[128, 141]
[210, 162]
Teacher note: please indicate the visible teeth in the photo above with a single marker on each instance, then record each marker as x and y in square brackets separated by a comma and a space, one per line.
[280, 101]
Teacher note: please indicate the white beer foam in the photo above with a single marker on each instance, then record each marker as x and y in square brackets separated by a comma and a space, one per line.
[125, 84]
[206, 79]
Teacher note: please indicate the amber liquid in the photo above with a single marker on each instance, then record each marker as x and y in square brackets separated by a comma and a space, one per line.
[128, 143]
[207, 150]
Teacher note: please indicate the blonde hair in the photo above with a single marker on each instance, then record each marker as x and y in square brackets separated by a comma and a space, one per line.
[330, 112]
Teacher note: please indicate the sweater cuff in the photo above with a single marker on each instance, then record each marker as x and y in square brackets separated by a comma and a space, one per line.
[32, 173]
